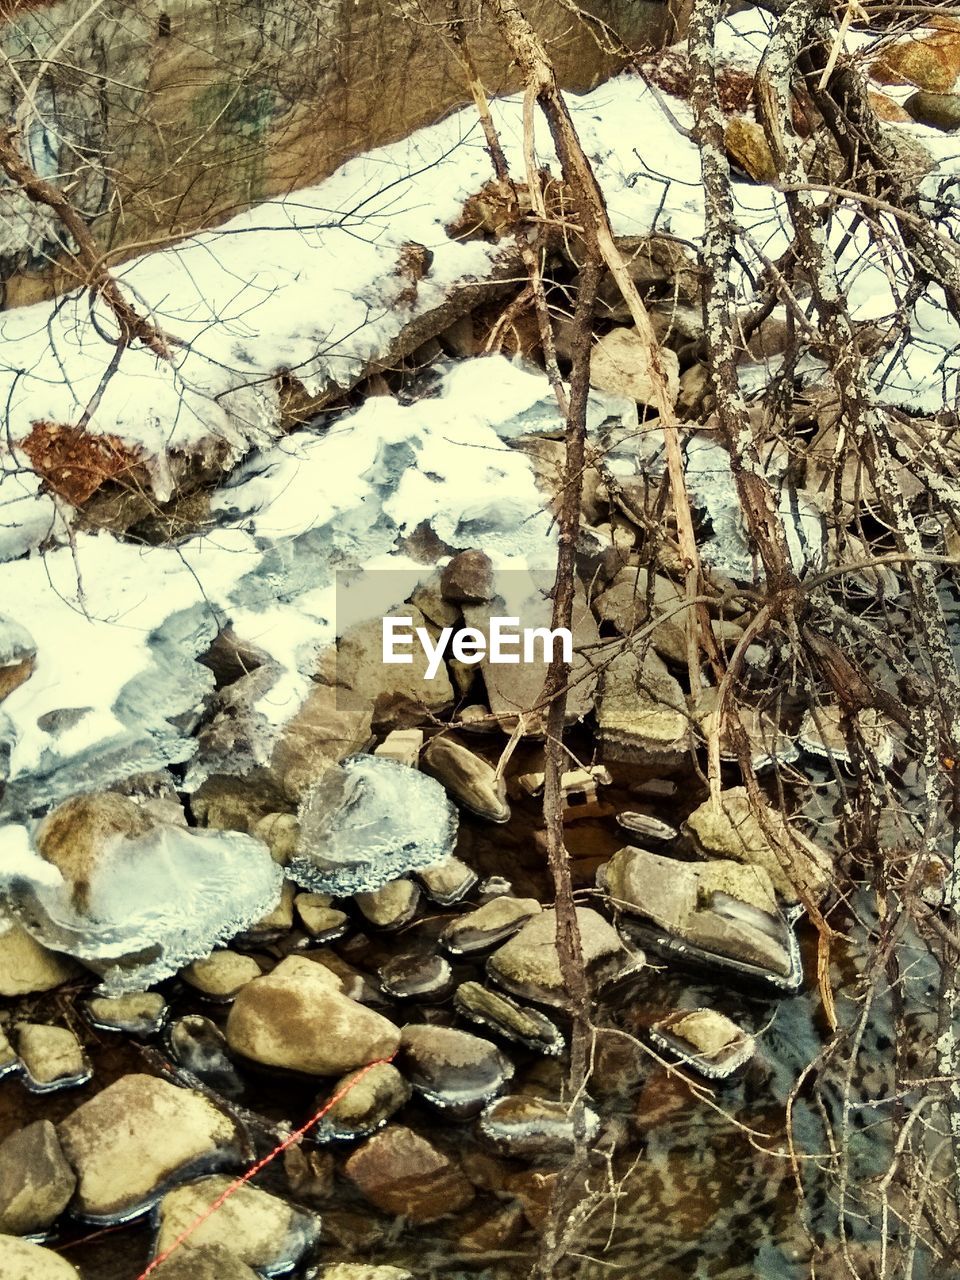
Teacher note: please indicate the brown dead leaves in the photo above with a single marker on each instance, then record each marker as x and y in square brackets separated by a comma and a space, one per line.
[75, 463]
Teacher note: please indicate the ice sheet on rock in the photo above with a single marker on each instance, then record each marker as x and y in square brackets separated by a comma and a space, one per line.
[370, 821]
[155, 902]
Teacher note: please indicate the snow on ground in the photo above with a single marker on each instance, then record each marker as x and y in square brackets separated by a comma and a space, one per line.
[308, 284]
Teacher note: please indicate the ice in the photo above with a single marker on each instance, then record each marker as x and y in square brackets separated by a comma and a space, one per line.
[369, 821]
[156, 902]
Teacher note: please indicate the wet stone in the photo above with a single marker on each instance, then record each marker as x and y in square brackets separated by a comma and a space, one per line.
[647, 827]
[298, 1018]
[257, 1228]
[27, 967]
[369, 821]
[455, 1070]
[507, 1019]
[19, 1259]
[321, 921]
[200, 1047]
[140, 1013]
[494, 887]
[403, 1174]
[467, 777]
[366, 1105]
[361, 1271]
[280, 832]
[134, 1137]
[36, 1182]
[205, 1262]
[9, 1062]
[704, 1040]
[448, 881]
[52, 1057]
[720, 913]
[488, 925]
[392, 906]
[526, 1126]
[309, 1173]
[416, 977]
[221, 975]
[529, 965]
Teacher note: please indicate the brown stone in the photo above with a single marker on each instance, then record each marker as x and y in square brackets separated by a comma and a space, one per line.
[747, 144]
[930, 60]
[404, 1174]
[36, 1182]
[468, 578]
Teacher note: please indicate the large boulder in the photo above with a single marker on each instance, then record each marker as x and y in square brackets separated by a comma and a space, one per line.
[622, 363]
[298, 1018]
[134, 1138]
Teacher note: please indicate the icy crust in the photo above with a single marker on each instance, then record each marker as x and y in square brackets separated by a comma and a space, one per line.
[117, 627]
[369, 821]
[155, 902]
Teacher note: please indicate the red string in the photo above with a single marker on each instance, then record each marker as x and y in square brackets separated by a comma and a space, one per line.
[260, 1164]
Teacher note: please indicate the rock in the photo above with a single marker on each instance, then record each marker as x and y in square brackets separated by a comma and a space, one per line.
[529, 966]
[257, 1228]
[321, 921]
[17, 655]
[622, 363]
[366, 1105]
[367, 822]
[9, 1062]
[36, 1182]
[706, 1041]
[641, 712]
[134, 1137]
[280, 832]
[200, 1047]
[939, 110]
[468, 578]
[276, 922]
[447, 881]
[139, 898]
[328, 728]
[928, 59]
[297, 1018]
[624, 606]
[141, 1013]
[494, 1232]
[456, 1071]
[732, 830]
[309, 1173]
[886, 108]
[20, 1260]
[526, 1126]
[646, 826]
[391, 906]
[766, 741]
[507, 1019]
[52, 1057]
[361, 1271]
[657, 261]
[468, 778]
[403, 1174]
[26, 967]
[726, 909]
[205, 1262]
[221, 975]
[695, 398]
[415, 976]
[429, 599]
[747, 146]
[821, 734]
[400, 694]
[487, 926]
[513, 688]
[403, 746]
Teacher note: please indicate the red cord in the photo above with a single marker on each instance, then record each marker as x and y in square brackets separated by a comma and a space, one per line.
[260, 1164]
